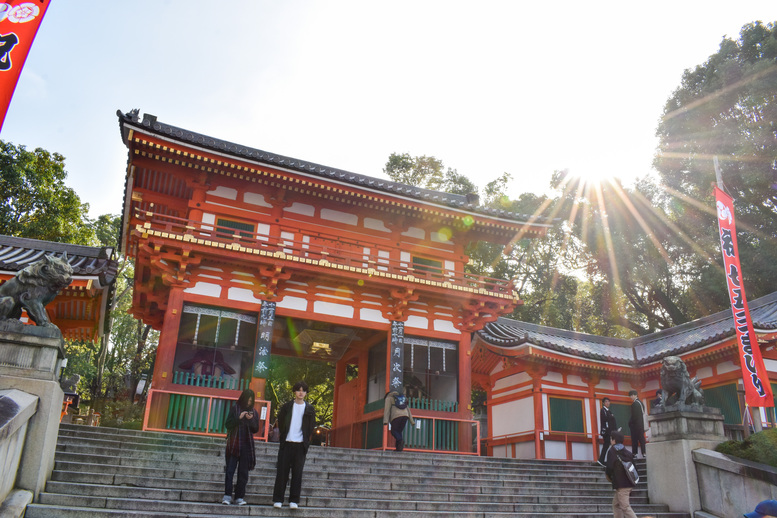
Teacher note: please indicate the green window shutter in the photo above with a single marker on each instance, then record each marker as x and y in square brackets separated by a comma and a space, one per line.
[726, 398]
[622, 413]
[566, 415]
[247, 228]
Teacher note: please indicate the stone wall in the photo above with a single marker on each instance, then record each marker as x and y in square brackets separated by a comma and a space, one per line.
[729, 486]
[16, 409]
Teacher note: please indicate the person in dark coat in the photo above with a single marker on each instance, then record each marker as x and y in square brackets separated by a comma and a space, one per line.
[397, 417]
[296, 421]
[242, 423]
[621, 507]
[607, 425]
[637, 424]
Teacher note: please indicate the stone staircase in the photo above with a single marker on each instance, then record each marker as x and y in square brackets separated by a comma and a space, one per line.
[109, 473]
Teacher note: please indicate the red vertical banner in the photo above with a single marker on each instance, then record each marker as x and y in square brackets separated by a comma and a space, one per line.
[758, 391]
[19, 22]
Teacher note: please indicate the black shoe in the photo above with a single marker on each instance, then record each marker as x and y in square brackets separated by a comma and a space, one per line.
[400, 445]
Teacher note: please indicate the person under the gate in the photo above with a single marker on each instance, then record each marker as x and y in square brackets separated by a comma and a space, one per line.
[296, 420]
[396, 414]
[637, 424]
[607, 425]
[242, 423]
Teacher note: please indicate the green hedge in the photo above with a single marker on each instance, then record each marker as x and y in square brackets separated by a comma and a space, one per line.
[760, 447]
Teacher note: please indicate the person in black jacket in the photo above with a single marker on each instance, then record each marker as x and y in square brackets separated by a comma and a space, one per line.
[607, 425]
[296, 420]
[637, 424]
[621, 507]
[241, 424]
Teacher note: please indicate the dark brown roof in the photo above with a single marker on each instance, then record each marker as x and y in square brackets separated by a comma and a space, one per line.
[508, 334]
[456, 201]
[17, 253]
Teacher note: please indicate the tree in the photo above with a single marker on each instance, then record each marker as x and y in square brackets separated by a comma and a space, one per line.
[319, 375]
[36, 202]
[725, 107]
[427, 172]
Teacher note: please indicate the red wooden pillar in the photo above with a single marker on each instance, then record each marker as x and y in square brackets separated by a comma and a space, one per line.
[537, 373]
[168, 339]
[592, 382]
[465, 391]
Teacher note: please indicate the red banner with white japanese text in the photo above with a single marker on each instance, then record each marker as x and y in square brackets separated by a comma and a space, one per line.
[758, 391]
[19, 22]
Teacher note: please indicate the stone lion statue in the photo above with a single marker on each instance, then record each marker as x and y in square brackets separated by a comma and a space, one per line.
[677, 387]
[34, 287]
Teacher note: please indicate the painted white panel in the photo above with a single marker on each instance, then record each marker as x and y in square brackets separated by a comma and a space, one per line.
[556, 377]
[545, 413]
[771, 365]
[335, 310]
[242, 295]
[524, 450]
[404, 257]
[208, 218]
[582, 451]
[340, 217]
[624, 386]
[499, 367]
[375, 224]
[705, 372]
[301, 208]
[254, 198]
[606, 385]
[511, 380]
[416, 321]
[567, 388]
[445, 326]
[293, 303]
[211, 268]
[415, 232]
[512, 417]
[372, 315]
[587, 414]
[573, 379]
[555, 450]
[262, 231]
[652, 385]
[441, 237]
[500, 452]
[450, 267]
[205, 288]
[727, 367]
[224, 192]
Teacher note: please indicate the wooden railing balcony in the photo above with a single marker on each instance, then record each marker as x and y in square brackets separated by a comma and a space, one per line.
[325, 250]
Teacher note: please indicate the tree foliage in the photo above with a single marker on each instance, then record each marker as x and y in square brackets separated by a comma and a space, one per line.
[725, 107]
[36, 202]
[427, 172]
[285, 371]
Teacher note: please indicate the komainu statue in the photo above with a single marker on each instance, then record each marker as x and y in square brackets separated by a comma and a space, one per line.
[677, 387]
[34, 287]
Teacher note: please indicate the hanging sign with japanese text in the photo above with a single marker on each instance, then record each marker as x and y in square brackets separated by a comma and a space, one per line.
[19, 22]
[264, 339]
[758, 391]
[396, 362]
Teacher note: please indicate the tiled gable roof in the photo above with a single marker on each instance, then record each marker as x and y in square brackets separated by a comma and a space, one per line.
[457, 201]
[507, 334]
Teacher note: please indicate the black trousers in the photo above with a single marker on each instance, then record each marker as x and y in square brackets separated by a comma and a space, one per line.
[637, 438]
[291, 456]
[398, 427]
[605, 446]
[242, 476]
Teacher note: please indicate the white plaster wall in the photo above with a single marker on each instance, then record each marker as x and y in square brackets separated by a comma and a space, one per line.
[727, 367]
[415, 232]
[573, 379]
[205, 288]
[375, 224]
[606, 385]
[301, 208]
[525, 450]
[771, 365]
[293, 303]
[704, 372]
[224, 192]
[372, 315]
[330, 308]
[582, 451]
[445, 326]
[242, 295]
[417, 322]
[512, 417]
[509, 381]
[441, 237]
[262, 231]
[500, 452]
[555, 377]
[254, 198]
[555, 450]
[339, 217]
[587, 414]
[208, 219]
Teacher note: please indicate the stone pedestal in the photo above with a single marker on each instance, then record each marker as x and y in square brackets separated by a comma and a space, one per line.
[30, 360]
[670, 466]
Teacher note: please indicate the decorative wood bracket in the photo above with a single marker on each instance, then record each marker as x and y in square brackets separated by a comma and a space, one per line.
[396, 307]
[482, 310]
[271, 283]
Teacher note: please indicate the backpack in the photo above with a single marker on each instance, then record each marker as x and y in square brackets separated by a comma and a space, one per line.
[630, 469]
[400, 402]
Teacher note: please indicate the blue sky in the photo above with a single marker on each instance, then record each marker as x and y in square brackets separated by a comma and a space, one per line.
[487, 87]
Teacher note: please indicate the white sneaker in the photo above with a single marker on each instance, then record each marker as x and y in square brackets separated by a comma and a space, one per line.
[292, 505]
[278, 504]
[226, 500]
[240, 501]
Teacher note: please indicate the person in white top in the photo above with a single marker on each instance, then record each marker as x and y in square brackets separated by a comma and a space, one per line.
[296, 420]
